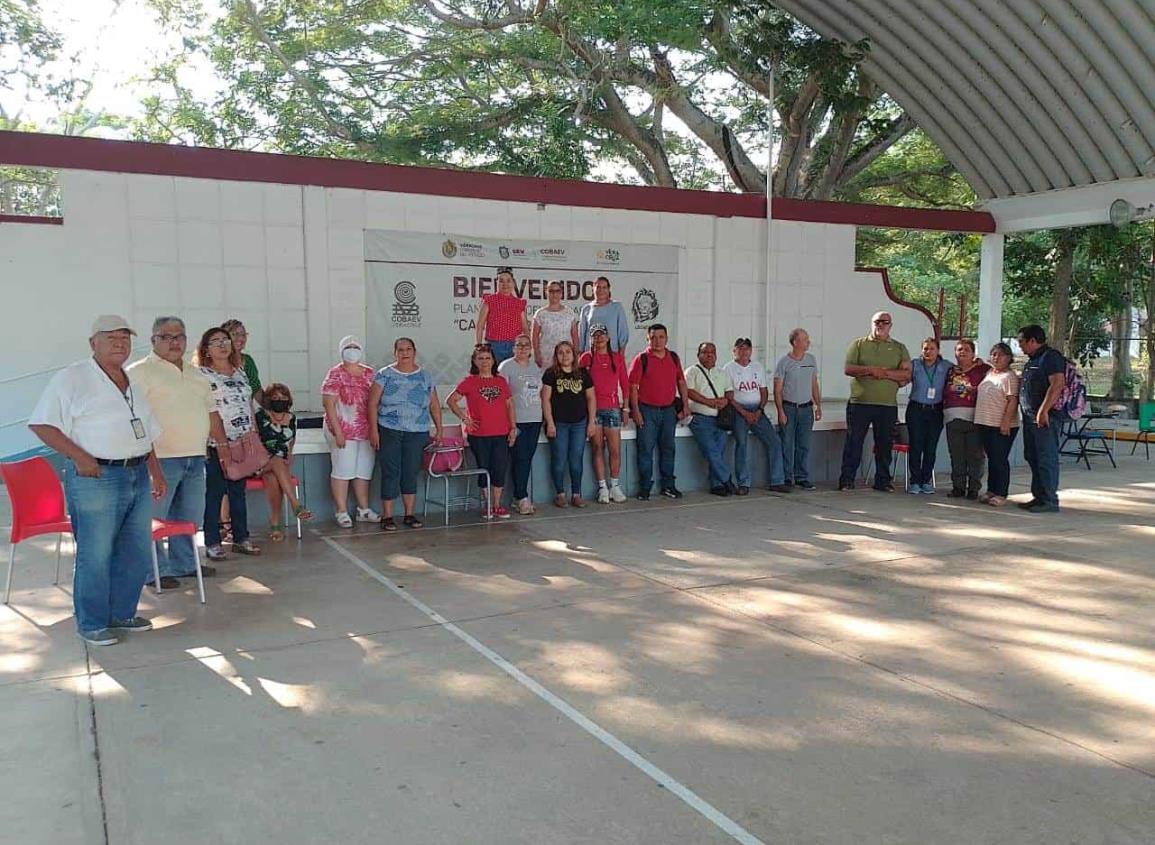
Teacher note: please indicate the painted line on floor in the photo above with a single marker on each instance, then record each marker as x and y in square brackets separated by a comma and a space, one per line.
[662, 778]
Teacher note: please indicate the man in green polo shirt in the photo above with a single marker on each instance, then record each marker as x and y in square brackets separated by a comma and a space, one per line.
[878, 366]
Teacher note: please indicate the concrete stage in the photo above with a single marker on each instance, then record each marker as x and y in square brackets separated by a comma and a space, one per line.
[813, 668]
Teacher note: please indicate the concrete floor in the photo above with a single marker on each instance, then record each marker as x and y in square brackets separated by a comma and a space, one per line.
[817, 668]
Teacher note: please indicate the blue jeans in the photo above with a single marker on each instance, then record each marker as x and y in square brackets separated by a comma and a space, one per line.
[112, 525]
[796, 436]
[768, 435]
[502, 350]
[658, 430]
[1041, 449]
[568, 450]
[924, 427]
[184, 501]
[521, 456]
[859, 418]
[400, 459]
[217, 486]
[712, 442]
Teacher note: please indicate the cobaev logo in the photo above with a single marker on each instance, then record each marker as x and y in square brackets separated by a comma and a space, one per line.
[551, 253]
[449, 249]
[609, 255]
[645, 307]
[406, 311]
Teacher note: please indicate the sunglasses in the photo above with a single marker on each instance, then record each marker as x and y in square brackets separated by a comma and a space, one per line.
[882, 322]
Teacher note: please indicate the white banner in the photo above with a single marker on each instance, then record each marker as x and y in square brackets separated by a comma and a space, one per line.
[428, 287]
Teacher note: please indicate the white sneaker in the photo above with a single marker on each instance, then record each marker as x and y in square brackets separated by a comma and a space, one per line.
[603, 496]
[344, 520]
[368, 515]
[616, 494]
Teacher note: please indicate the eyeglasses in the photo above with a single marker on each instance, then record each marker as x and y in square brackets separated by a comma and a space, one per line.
[220, 341]
[170, 338]
[882, 322]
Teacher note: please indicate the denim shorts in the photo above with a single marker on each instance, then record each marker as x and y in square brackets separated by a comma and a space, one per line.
[609, 418]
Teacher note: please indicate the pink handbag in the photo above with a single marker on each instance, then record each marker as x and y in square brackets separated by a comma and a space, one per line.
[244, 456]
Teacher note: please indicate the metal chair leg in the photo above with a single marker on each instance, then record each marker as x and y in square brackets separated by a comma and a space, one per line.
[200, 577]
[297, 493]
[155, 570]
[11, 563]
[445, 499]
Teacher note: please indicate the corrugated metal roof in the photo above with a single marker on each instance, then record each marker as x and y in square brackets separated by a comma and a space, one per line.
[1022, 95]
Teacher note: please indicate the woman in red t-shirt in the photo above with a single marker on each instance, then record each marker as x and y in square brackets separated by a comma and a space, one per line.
[490, 422]
[502, 317]
[612, 389]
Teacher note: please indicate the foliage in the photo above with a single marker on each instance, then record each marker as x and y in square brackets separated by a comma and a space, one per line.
[674, 91]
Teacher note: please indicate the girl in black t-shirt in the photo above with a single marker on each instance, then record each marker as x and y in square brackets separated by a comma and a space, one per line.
[570, 410]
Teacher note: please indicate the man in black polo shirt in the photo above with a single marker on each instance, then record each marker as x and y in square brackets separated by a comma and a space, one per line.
[1042, 383]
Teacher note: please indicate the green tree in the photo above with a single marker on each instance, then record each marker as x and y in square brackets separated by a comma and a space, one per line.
[673, 91]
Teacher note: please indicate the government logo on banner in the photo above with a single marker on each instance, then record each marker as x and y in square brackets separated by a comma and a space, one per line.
[645, 308]
[406, 311]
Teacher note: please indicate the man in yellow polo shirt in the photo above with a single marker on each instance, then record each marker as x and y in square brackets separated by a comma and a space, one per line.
[182, 401]
[878, 366]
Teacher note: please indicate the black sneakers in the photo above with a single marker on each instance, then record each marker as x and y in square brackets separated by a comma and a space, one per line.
[672, 492]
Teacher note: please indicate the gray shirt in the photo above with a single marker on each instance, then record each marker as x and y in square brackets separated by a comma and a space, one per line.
[525, 385]
[613, 316]
[797, 378]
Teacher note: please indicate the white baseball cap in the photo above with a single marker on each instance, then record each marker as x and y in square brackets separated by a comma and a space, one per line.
[110, 323]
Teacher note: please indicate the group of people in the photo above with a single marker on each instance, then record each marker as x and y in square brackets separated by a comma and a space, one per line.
[162, 438]
[982, 406]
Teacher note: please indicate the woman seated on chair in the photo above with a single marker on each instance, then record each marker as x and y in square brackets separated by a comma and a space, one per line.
[490, 422]
[406, 401]
[277, 425]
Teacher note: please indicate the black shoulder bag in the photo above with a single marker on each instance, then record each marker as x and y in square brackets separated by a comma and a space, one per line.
[725, 416]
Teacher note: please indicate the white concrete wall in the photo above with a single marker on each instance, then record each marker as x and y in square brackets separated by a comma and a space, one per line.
[288, 261]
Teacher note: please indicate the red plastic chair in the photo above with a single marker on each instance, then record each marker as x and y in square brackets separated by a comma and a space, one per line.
[37, 499]
[257, 483]
[163, 528]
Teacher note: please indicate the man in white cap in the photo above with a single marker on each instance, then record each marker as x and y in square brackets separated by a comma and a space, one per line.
[183, 403]
[91, 414]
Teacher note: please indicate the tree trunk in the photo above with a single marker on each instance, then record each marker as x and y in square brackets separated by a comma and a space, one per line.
[1061, 295]
[1121, 383]
[1149, 382]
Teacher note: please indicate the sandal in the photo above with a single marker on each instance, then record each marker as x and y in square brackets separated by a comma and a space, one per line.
[412, 521]
[387, 524]
[226, 531]
[248, 547]
[559, 501]
[344, 520]
[302, 513]
[276, 533]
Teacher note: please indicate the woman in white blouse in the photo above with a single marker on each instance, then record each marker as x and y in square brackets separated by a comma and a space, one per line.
[554, 323]
[997, 417]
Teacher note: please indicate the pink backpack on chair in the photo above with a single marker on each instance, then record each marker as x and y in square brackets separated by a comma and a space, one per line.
[448, 457]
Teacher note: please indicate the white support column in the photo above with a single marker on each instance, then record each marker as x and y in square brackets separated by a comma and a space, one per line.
[990, 293]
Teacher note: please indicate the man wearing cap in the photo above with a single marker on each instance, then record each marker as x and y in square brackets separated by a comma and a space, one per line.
[878, 366]
[181, 399]
[610, 314]
[751, 394]
[92, 414]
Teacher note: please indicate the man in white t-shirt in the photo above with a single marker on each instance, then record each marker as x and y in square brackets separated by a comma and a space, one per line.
[709, 391]
[93, 415]
[751, 393]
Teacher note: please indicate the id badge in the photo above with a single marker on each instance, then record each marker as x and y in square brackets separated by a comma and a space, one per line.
[931, 392]
[138, 428]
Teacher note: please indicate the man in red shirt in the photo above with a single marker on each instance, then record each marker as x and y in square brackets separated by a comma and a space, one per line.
[657, 401]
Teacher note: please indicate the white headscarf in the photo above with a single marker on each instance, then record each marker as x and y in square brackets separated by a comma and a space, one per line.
[347, 341]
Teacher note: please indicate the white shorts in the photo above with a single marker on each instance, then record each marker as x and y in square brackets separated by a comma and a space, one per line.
[356, 460]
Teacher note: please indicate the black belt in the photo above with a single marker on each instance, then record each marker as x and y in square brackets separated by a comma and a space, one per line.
[122, 462]
[937, 407]
[798, 404]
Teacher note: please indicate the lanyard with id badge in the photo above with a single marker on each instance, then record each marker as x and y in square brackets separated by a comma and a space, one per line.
[931, 390]
[129, 400]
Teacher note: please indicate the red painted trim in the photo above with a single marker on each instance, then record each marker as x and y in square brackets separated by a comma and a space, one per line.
[893, 297]
[69, 153]
[28, 218]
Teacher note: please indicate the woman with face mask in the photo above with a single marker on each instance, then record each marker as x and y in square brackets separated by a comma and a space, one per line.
[350, 430]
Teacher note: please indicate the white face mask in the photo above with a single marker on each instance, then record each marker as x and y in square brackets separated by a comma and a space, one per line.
[352, 355]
